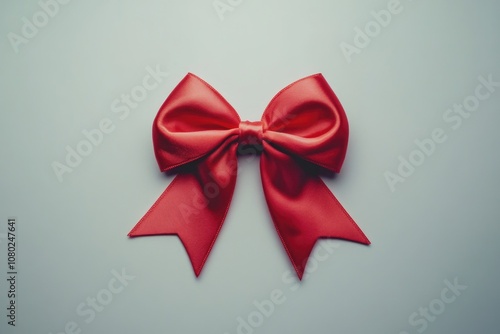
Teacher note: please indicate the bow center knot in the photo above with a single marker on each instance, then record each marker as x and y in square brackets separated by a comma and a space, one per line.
[250, 134]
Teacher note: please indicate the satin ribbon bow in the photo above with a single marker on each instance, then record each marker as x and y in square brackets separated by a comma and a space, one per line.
[198, 134]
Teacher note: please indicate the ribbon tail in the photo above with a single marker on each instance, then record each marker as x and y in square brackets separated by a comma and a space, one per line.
[194, 207]
[302, 207]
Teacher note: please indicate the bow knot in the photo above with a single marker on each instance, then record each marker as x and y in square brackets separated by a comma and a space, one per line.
[250, 134]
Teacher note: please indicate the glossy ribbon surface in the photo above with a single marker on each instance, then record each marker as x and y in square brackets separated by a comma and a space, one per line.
[198, 135]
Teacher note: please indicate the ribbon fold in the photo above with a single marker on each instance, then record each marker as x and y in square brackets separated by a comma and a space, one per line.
[199, 135]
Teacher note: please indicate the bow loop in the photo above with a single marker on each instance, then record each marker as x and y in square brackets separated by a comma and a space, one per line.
[193, 121]
[306, 119]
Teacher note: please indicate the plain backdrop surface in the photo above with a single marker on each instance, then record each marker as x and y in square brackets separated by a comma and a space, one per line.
[439, 227]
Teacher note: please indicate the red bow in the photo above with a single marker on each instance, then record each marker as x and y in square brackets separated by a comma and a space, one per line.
[198, 133]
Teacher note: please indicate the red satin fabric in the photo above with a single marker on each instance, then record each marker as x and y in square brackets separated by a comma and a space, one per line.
[198, 133]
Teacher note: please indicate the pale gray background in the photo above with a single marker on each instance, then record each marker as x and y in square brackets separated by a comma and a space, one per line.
[442, 223]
